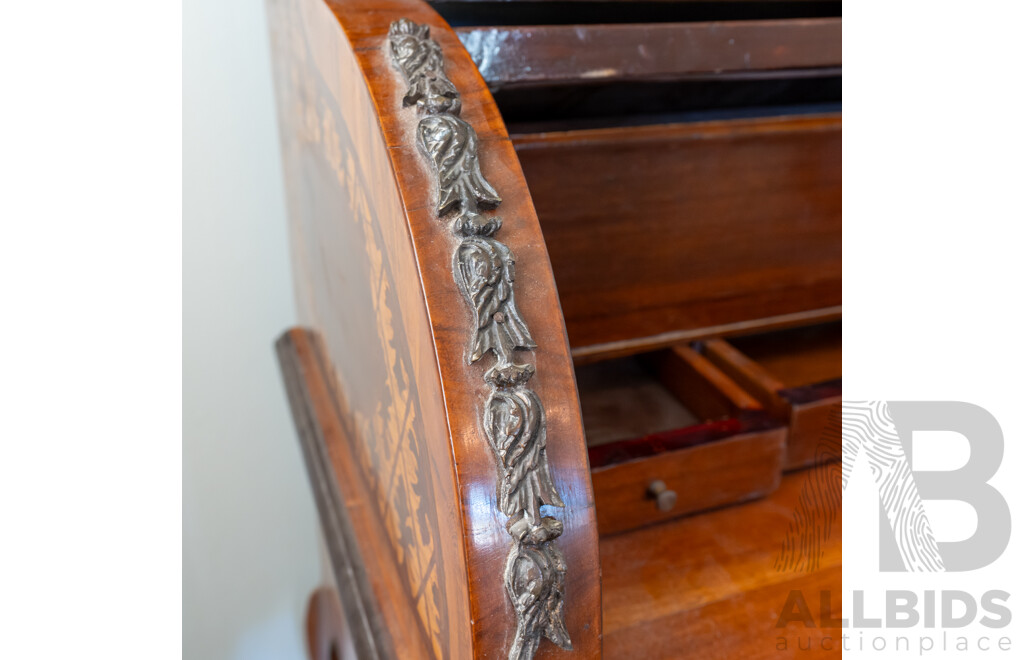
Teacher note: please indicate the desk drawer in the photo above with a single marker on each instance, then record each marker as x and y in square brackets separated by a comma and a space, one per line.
[673, 420]
[797, 375]
[741, 467]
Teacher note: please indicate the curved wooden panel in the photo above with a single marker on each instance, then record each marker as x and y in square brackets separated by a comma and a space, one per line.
[374, 279]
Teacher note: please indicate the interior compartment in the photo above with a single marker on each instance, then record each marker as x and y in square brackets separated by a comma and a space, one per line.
[797, 357]
[672, 418]
[670, 399]
[662, 585]
[797, 375]
[623, 400]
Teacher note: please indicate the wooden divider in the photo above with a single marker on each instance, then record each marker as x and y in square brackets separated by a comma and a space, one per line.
[668, 233]
[560, 54]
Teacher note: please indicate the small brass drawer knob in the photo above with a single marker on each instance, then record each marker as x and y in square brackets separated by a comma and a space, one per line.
[659, 492]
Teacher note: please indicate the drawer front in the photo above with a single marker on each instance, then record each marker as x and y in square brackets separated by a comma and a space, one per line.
[736, 469]
[814, 433]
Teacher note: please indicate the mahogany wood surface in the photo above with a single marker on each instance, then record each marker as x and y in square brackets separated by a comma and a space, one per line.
[566, 54]
[698, 228]
[809, 363]
[797, 375]
[682, 421]
[735, 469]
[622, 400]
[814, 434]
[799, 356]
[713, 586]
[660, 395]
[700, 384]
[373, 274]
[583, 355]
[356, 279]
[366, 576]
[749, 374]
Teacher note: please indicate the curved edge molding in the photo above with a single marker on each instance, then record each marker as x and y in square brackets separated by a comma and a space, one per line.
[484, 270]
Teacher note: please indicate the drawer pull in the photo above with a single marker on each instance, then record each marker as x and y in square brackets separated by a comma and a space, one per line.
[659, 492]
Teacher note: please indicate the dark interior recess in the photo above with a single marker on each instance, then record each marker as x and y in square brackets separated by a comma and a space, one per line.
[629, 412]
[622, 400]
[528, 110]
[464, 14]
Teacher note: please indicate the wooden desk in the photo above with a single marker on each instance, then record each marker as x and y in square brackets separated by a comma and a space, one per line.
[495, 223]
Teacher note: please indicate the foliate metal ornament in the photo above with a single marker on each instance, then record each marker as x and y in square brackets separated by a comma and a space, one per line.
[419, 59]
[451, 145]
[484, 269]
[516, 429]
[535, 581]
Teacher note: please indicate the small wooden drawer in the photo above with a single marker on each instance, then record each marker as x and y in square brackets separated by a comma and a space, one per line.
[797, 375]
[675, 421]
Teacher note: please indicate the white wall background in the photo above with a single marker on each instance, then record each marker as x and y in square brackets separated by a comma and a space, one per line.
[250, 555]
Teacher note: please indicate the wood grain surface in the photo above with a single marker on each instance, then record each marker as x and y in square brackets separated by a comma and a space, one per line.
[734, 469]
[699, 229]
[723, 450]
[373, 274]
[713, 586]
[568, 54]
[797, 375]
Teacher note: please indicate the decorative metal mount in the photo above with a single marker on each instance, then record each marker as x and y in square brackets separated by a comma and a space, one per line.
[484, 269]
[450, 143]
[420, 59]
